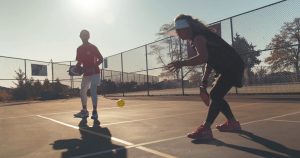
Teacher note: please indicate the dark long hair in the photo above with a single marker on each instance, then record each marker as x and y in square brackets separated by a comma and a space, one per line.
[197, 26]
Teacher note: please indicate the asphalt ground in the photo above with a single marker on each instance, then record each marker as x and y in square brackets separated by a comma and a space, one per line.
[149, 127]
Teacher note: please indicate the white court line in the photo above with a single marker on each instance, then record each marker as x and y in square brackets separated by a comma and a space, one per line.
[166, 116]
[293, 113]
[155, 152]
[179, 137]
[17, 117]
[91, 132]
[139, 146]
[108, 137]
[118, 149]
[49, 114]
[57, 113]
[152, 118]
[289, 121]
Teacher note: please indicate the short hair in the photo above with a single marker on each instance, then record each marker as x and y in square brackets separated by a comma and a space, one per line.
[84, 32]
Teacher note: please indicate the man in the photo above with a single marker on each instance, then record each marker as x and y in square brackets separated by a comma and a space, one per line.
[89, 57]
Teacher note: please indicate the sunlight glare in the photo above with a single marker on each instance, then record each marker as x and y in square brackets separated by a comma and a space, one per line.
[91, 6]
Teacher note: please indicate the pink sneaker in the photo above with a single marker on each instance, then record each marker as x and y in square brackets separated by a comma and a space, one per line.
[229, 126]
[201, 133]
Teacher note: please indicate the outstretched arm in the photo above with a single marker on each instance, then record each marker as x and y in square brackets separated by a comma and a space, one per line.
[200, 58]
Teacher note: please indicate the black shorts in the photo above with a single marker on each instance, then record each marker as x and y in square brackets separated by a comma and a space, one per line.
[233, 78]
[222, 85]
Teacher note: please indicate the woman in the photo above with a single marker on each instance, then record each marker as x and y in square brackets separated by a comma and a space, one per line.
[218, 55]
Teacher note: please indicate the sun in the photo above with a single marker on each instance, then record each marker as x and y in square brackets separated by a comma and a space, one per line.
[94, 9]
[91, 6]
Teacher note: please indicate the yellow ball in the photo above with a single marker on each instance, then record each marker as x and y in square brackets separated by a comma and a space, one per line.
[120, 103]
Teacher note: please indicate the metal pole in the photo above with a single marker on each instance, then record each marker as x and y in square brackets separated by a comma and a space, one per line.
[25, 69]
[122, 83]
[102, 72]
[52, 70]
[146, 51]
[111, 77]
[139, 78]
[232, 43]
[71, 78]
[102, 79]
[182, 82]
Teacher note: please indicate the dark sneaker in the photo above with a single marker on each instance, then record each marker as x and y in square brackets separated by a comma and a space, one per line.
[202, 133]
[94, 115]
[229, 126]
[82, 114]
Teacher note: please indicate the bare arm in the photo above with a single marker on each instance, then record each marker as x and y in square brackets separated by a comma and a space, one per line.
[202, 53]
[78, 64]
[100, 57]
[200, 58]
[205, 77]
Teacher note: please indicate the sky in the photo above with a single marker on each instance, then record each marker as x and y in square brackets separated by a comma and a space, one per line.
[49, 29]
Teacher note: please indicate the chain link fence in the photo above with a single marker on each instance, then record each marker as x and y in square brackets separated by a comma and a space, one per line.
[253, 34]
[267, 39]
[10, 66]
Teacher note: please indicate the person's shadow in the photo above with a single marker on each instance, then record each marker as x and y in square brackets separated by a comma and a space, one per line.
[95, 142]
[279, 148]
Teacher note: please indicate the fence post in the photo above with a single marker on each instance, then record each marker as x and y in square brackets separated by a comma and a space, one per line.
[134, 78]
[102, 72]
[232, 42]
[25, 69]
[122, 79]
[71, 78]
[181, 69]
[111, 76]
[102, 79]
[147, 71]
[52, 71]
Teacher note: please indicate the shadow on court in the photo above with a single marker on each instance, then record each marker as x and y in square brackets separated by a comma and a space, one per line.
[272, 145]
[95, 140]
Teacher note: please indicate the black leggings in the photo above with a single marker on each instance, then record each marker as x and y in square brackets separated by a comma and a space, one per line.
[218, 104]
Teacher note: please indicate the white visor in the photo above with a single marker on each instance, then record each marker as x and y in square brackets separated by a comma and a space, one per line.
[181, 24]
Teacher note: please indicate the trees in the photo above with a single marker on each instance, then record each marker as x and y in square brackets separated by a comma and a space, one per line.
[171, 55]
[286, 48]
[260, 74]
[174, 53]
[241, 45]
[21, 92]
[248, 54]
[30, 89]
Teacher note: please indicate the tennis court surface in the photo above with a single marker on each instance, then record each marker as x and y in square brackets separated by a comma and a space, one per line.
[149, 127]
